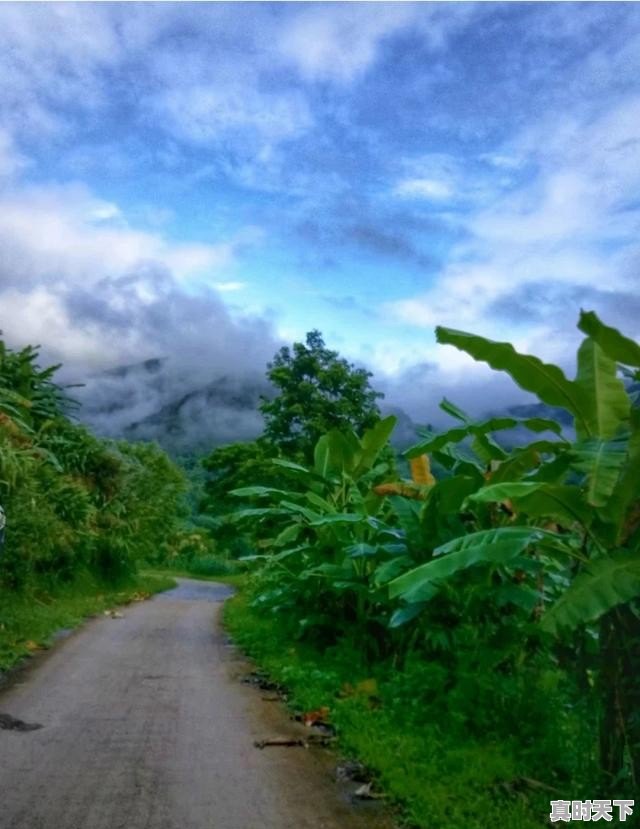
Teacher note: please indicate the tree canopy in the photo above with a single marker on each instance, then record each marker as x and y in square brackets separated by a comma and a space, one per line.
[317, 390]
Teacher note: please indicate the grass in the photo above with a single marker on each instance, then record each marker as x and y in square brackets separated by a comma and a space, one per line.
[438, 775]
[29, 619]
[232, 579]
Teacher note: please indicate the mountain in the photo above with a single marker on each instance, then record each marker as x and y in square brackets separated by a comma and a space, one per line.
[184, 412]
[192, 412]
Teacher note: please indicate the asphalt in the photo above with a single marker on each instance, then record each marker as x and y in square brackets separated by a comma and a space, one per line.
[145, 724]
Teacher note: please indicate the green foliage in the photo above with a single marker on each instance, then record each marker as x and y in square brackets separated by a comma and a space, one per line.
[74, 503]
[316, 391]
[450, 750]
[31, 618]
[500, 566]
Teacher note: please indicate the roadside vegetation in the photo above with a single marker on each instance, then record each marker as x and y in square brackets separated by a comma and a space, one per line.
[81, 512]
[473, 626]
[468, 611]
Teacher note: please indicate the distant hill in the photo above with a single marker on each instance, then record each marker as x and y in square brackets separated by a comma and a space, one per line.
[183, 412]
[190, 412]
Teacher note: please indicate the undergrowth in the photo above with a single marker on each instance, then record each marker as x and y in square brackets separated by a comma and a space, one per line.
[466, 757]
[30, 618]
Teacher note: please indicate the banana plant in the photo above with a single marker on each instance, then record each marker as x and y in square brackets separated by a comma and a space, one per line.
[590, 487]
[330, 537]
[584, 494]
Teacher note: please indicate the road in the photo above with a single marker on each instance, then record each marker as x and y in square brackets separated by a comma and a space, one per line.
[146, 725]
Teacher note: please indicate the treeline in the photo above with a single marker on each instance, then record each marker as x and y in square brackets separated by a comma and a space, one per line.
[74, 503]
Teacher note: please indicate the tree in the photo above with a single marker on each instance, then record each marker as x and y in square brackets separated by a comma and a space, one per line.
[317, 391]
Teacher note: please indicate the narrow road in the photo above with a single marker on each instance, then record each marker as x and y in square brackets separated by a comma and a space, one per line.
[145, 725]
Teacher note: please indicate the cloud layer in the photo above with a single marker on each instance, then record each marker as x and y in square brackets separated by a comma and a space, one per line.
[198, 182]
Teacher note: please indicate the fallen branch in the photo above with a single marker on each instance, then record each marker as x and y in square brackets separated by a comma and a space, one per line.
[302, 742]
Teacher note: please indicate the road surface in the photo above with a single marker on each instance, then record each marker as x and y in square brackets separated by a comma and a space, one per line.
[145, 725]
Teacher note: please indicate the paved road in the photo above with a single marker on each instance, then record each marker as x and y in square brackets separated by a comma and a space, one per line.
[146, 726]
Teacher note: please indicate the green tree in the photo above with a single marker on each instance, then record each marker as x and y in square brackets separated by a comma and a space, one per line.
[317, 391]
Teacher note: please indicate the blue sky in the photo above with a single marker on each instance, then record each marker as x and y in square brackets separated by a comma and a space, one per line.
[212, 179]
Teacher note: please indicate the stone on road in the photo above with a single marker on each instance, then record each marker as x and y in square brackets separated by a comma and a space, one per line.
[146, 726]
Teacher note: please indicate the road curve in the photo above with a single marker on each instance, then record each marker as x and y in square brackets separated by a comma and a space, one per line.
[146, 726]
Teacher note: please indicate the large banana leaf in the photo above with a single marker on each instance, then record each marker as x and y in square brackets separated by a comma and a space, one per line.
[408, 512]
[373, 442]
[339, 518]
[626, 492]
[435, 442]
[257, 492]
[257, 512]
[525, 459]
[288, 535]
[497, 546]
[322, 457]
[545, 380]
[562, 502]
[337, 452]
[614, 344]
[453, 410]
[607, 405]
[602, 461]
[603, 584]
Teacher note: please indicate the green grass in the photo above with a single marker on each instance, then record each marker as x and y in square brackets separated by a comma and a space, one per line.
[29, 619]
[233, 579]
[434, 771]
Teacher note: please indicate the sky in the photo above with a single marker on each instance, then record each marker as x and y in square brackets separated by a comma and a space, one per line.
[207, 181]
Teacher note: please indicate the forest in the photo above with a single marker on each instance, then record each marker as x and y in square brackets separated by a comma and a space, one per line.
[466, 611]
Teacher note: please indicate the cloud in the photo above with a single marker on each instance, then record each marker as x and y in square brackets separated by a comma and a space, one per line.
[12, 161]
[228, 287]
[64, 230]
[341, 42]
[98, 295]
[426, 188]
[565, 231]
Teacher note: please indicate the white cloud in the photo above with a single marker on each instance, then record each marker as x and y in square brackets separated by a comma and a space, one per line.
[50, 230]
[569, 229]
[426, 188]
[340, 41]
[229, 287]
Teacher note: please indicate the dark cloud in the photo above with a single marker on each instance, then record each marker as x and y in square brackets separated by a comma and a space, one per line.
[549, 303]
[377, 239]
[199, 373]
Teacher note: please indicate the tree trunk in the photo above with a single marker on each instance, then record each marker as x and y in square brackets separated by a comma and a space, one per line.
[620, 694]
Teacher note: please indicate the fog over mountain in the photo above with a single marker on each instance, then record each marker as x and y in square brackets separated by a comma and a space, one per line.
[156, 400]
